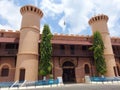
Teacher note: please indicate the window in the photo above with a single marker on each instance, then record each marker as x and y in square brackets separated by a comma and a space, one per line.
[16, 46]
[87, 69]
[62, 49]
[72, 49]
[10, 46]
[5, 72]
[0, 45]
[84, 48]
[1, 34]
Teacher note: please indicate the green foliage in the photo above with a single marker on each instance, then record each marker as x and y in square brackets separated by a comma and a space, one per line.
[98, 50]
[45, 66]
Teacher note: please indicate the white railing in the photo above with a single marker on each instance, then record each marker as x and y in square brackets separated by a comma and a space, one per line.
[14, 83]
[23, 83]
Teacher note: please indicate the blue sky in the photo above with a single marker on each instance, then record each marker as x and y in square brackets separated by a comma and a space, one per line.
[74, 13]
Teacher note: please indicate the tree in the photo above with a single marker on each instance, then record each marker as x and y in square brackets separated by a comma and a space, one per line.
[98, 51]
[45, 65]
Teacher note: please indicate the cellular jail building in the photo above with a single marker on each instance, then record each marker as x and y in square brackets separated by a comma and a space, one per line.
[72, 60]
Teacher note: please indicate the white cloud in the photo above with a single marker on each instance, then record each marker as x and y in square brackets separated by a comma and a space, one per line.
[78, 12]
[50, 8]
[11, 13]
[7, 27]
[112, 9]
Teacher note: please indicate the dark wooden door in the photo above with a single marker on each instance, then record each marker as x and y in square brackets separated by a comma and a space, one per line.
[22, 75]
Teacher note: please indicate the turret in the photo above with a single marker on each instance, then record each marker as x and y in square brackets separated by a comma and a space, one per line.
[27, 58]
[99, 23]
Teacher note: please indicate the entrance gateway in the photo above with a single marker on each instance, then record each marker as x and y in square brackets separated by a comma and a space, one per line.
[68, 72]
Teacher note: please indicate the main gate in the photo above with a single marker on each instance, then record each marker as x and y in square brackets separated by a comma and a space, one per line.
[68, 72]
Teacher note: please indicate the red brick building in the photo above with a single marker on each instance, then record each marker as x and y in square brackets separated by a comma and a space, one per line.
[71, 57]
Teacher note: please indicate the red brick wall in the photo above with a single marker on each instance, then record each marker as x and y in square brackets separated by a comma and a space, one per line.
[10, 62]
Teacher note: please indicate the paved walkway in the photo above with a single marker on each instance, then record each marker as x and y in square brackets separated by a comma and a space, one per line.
[72, 87]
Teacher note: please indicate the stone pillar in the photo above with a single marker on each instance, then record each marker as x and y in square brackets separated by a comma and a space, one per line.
[27, 57]
[99, 23]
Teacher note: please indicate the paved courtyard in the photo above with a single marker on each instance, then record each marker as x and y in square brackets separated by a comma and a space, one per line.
[73, 87]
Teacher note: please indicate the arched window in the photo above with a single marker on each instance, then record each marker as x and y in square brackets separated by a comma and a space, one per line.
[5, 71]
[87, 69]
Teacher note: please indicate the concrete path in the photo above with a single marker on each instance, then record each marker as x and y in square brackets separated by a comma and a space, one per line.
[73, 87]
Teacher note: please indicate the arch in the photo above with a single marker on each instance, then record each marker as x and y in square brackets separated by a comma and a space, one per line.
[68, 72]
[5, 71]
[5, 64]
[67, 63]
[86, 69]
[72, 60]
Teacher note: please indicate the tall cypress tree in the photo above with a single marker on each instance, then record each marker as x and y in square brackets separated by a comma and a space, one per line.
[45, 65]
[98, 51]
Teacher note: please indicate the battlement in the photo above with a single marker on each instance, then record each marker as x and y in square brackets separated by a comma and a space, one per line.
[32, 9]
[98, 18]
[74, 35]
[9, 31]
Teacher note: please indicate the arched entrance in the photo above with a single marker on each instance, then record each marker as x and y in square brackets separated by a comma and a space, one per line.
[68, 72]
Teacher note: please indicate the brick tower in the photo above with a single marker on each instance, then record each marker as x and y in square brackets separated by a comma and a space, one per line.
[27, 58]
[99, 23]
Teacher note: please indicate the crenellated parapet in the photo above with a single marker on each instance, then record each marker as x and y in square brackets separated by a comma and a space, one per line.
[98, 18]
[9, 31]
[72, 39]
[31, 9]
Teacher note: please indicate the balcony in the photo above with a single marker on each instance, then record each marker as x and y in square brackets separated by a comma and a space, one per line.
[8, 52]
[76, 53]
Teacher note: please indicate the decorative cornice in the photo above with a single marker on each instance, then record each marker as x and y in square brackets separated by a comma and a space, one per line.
[9, 31]
[62, 37]
[71, 38]
[31, 27]
[31, 9]
[27, 53]
[98, 18]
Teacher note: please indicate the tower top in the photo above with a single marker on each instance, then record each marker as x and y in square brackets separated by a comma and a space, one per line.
[31, 9]
[98, 18]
